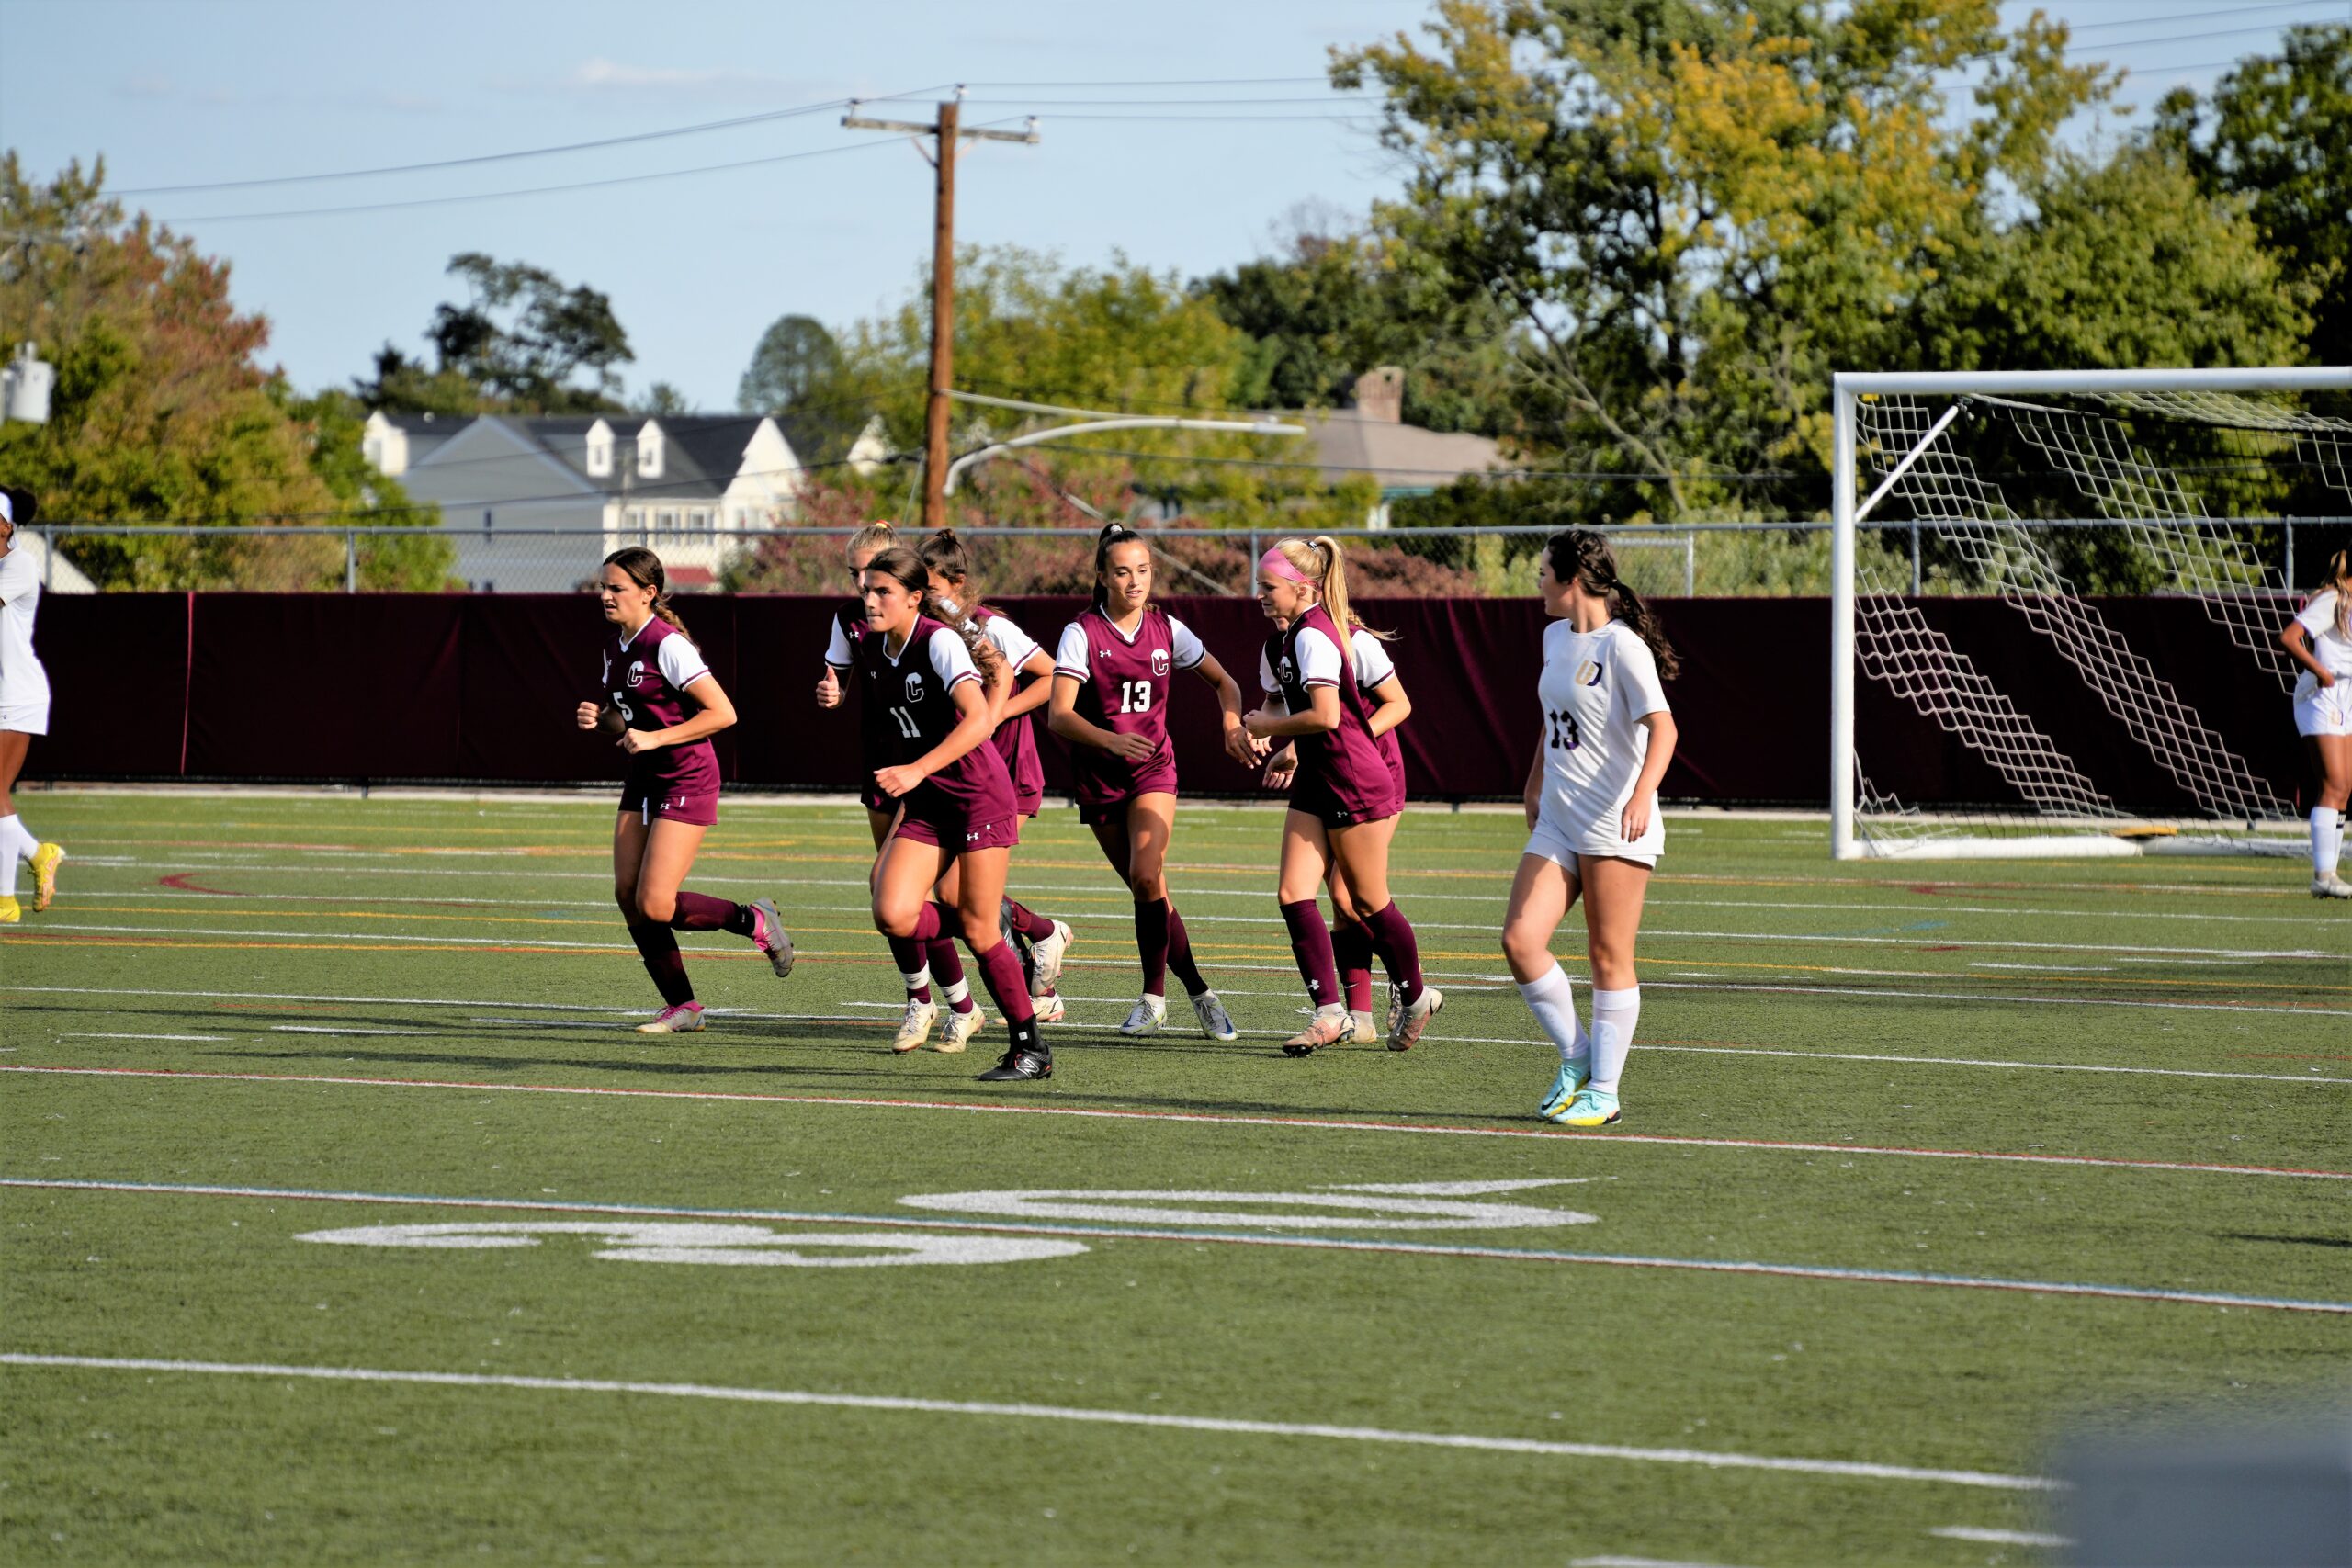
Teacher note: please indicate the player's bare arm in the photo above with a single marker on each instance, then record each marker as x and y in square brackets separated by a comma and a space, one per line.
[1321, 718]
[717, 713]
[2297, 642]
[1644, 805]
[1395, 707]
[973, 726]
[1063, 719]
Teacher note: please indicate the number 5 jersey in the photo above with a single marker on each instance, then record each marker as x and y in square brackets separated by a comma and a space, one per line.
[1597, 687]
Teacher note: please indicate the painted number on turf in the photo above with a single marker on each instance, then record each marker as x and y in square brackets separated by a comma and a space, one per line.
[1134, 697]
[752, 1244]
[1407, 1206]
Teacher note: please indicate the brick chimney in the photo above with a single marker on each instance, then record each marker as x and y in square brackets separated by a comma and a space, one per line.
[1380, 395]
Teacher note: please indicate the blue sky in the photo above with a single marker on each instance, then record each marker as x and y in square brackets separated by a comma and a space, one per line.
[180, 91]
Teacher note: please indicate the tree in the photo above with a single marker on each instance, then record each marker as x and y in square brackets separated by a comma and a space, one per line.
[519, 345]
[160, 413]
[2277, 135]
[1693, 210]
[662, 399]
[794, 355]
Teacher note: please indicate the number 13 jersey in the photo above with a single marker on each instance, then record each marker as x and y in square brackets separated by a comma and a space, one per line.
[1597, 688]
[1123, 687]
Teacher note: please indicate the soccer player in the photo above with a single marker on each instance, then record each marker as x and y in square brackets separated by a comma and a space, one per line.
[1345, 799]
[24, 708]
[940, 961]
[956, 806]
[1592, 817]
[669, 704]
[1042, 942]
[2319, 639]
[1111, 672]
[1351, 944]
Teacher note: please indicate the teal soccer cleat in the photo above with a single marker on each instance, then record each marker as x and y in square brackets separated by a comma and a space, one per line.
[1570, 1081]
[1590, 1108]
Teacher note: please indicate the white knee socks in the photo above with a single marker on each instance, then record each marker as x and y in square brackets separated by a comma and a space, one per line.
[1553, 1000]
[2328, 840]
[15, 844]
[1614, 1013]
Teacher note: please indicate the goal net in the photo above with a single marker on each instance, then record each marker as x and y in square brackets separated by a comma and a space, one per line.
[2056, 606]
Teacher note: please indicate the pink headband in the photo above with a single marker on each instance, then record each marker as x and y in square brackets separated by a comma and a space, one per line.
[1273, 563]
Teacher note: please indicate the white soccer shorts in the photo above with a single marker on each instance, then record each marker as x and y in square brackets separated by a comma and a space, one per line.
[26, 718]
[1548, 842]
[2325, 710]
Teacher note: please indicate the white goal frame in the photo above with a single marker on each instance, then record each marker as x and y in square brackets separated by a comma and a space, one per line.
[1848, 512]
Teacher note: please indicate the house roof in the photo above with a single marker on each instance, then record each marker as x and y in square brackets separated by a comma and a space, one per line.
[700, 451]
[1399, 456]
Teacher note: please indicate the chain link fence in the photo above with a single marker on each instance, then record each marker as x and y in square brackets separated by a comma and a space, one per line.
[1717, 560]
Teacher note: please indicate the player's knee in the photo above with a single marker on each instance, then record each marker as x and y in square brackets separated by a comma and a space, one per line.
[896, 918]
[1527, 952]
[1149, 883]
[655, 909]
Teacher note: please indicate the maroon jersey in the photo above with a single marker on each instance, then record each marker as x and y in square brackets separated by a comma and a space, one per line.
[1016, 739]
[873, 724]
[645, 676]
[911, 691]
[1123, 687]
[1343, 773]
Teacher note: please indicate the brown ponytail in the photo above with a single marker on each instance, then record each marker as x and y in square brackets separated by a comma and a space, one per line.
[1583, 556]
[643, 568]
[944, 554]
[905, 568]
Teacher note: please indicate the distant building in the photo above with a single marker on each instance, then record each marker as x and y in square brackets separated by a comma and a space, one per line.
[1371, 436]
[689, 486]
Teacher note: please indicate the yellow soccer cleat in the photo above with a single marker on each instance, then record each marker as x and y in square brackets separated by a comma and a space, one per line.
[10, 913]
[46, 859]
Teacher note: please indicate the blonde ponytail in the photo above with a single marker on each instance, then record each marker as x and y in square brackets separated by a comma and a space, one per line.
[2339, 582]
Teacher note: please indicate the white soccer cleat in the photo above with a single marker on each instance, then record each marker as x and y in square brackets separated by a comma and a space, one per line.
[2331, 885]
[1150, 1017]
[915, 1027]
[1366, 1032]
[1046, 960]
[961, 1027]
[1216, 1022]
[1050, 1008]
[683, 1019]
[1406, 1031]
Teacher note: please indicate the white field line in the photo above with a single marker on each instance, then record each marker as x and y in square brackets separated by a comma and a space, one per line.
[2001, 1538]
[326, 1029]
[718, 875]
[1894, 993]
[1846, 1469]
[214, 1039]
[1318, 1242]
[1613, 1561]
[334, 936]
[1310, 1123]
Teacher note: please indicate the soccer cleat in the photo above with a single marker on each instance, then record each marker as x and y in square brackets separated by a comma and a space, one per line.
[46, 859]
[1150, 1017]
[1019, 1065]
[915, 1027]
[1567, 1083]
[1050, 1008]
[2332, 885]
[1395, 1007]
[683, 1019]
[1331, 1025]
[961, 1027]
[1364, 1032]
[9, 912]
[769, 936]
[1046, 960]
[1405, 1031]
[1590, 1108]
[1216, 1022]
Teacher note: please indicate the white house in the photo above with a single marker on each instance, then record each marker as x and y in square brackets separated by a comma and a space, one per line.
[532, 504]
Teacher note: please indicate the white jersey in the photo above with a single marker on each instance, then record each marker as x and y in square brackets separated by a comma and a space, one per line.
[1017, 646]
[2329, 646]
[1597, 688]
[1320, 655]
[24, 685]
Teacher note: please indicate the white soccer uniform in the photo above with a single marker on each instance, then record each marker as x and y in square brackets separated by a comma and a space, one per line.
[1372, 665]
[2325, 710]
[1597, 688]
[24, 685]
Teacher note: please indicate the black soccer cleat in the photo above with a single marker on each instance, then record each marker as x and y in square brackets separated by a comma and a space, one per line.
[1016, 1065]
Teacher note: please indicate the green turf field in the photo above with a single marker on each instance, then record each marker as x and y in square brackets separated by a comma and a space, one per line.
[1919, 1165]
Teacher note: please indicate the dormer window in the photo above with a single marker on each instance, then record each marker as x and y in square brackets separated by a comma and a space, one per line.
[600, 450]
[648, 451]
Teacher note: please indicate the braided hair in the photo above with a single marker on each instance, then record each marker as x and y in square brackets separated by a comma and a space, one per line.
[1582, 555]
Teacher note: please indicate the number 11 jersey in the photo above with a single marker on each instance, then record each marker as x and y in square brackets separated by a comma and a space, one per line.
[1123, 687]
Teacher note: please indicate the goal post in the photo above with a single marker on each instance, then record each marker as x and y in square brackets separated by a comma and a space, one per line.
[2044, 491]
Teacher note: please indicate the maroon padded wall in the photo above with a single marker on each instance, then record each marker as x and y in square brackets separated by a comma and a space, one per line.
[387, 687]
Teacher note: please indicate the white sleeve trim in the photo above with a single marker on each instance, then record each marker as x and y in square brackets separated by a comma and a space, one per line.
[2318, 617]
[1266, 682]
[1188, 648]
[1318, 659]
[1071, 658]
[837, 648]
[1374, 667]
[682, 662]
[1016, 644]
[950, 660]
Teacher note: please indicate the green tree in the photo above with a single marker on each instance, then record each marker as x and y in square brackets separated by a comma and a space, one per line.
[522, 342]
[160, 412]
[795, 357]
[2277, 134]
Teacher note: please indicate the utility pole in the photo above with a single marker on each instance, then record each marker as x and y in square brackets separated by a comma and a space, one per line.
[948, 137]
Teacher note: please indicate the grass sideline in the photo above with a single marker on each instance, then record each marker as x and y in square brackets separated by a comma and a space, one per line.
[1813, 1303]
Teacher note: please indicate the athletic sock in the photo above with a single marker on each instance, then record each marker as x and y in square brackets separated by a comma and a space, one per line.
[1026, 922]
[2327, 839]
[701, 912]
[15, 844]
[1151, 944]
[1400, 951]
[1180, 954]
[1000, 972]
[1310, 944]
[1351, 952]
[1614, 1013]
[1552, 997]
[663, 962]
[946, 967]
